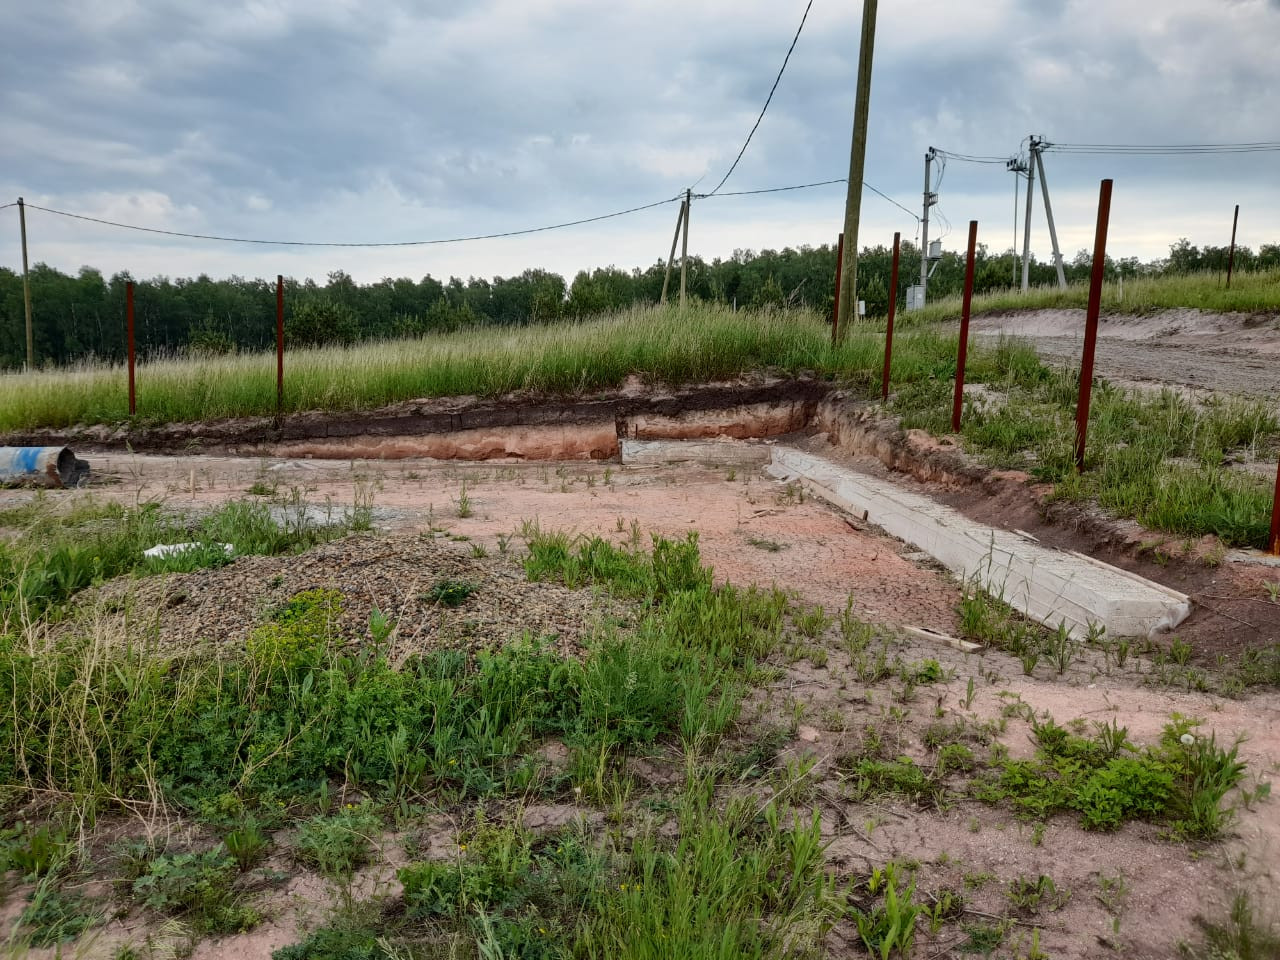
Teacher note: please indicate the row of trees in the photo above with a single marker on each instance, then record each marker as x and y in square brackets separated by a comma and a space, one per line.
[82, 315]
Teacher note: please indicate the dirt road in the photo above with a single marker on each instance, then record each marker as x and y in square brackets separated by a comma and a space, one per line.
[1223, 353]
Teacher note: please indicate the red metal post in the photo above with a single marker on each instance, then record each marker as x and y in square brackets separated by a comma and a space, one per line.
[958, 404]
[1273, 543]
[835, 311]
[893, 306]
[1231, 257]
[279, 343]
[1091, 321]
[128, 324]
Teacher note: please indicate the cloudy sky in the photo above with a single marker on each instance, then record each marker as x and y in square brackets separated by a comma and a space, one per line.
[390, 120]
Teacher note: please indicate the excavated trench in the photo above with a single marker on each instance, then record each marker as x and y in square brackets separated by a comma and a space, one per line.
[535, 427]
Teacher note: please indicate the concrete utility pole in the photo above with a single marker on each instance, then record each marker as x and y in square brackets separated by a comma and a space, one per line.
[1037, 151]
[930, 199]
[684, 250]
[26, 284]
[1026, 233]
[1018, 168]
[671, 257]
[857, 161]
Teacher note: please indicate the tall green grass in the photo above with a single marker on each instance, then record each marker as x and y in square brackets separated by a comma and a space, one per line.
[702, 343]
[1160, 459]
[1249, 293]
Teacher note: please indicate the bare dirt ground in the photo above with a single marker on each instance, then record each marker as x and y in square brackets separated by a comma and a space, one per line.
[750, 529]
[1132, 893]
[1225, 353]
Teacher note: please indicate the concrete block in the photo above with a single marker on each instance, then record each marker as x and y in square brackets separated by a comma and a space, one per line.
[717, 452]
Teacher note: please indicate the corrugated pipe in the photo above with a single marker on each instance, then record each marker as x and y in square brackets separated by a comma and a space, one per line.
[41, 467]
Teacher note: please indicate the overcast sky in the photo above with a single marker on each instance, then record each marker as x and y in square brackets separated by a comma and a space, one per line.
[389, 120]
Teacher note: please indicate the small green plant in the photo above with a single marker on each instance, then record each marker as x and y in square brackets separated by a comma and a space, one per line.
[39, 852]
[889, 927]
[969, 693]
[247, 843]
[198, 888]
[450, 593]
[1029, 895]
[465, 507]
[812, 621]
[1061, 648]
[1241, 935]
[53, 917]
[338, 845]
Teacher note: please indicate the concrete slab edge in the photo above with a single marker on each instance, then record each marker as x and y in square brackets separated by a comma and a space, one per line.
[1051, 586]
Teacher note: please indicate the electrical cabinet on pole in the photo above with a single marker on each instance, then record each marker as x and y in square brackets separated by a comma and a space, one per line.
[917, 301]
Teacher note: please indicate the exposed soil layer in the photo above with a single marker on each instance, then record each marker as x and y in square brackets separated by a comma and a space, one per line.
[520, 425]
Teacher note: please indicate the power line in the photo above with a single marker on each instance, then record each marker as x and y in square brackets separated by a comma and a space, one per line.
[806, 186]
[1170, 149]
[6, 206]
[967, 158]
[767, 101]
[313, 243]
[750, 193]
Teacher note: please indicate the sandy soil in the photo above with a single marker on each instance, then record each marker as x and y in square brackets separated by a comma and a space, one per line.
[1226, 353]
[751, 529]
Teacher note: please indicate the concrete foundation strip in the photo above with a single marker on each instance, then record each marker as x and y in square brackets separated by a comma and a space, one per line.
[1051, 586]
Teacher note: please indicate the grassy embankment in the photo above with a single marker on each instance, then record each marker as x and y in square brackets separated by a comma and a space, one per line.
[700, 344]
[1250, 293]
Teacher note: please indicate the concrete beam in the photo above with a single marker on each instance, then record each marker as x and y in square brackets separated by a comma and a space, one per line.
[1051, 586]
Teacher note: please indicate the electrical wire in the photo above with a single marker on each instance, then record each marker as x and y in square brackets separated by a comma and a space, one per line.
[6, 206]
[806, 186]
[1172, 149]
[767, 101]
[314, 243]
[967, 158]
[751, 193]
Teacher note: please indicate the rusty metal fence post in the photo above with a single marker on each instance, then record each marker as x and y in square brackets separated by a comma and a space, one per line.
[962, 354]
[128, 326]
[893, 306]
[1273, 542]
[279, 343]
[1091, 321]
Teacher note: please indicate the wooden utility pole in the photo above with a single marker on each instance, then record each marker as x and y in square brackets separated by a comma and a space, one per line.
[26, 284]
[684, 249]
[857, 160]
[1231, 257]
[671, 257]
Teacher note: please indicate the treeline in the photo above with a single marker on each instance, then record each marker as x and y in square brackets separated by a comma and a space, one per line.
[82, 316]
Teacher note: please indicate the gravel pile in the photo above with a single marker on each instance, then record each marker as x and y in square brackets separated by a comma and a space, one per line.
[395, 575]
